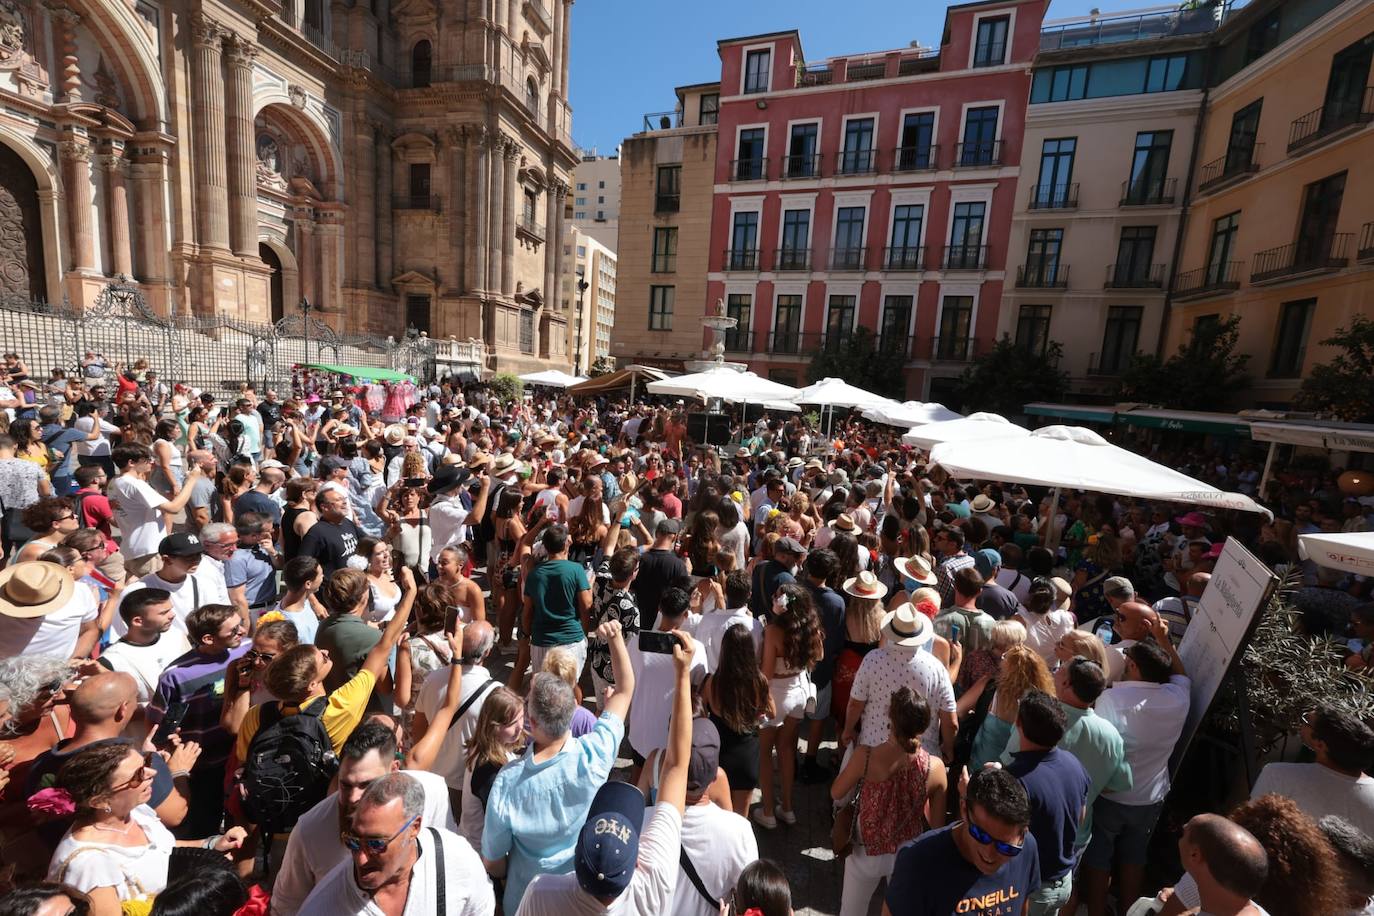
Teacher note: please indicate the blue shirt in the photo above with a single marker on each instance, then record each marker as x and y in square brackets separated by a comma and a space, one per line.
[830, 610]
[62, 441]
[932, 878]
[256, 501]
[248, 568]
[1058, 788]
[536, 810]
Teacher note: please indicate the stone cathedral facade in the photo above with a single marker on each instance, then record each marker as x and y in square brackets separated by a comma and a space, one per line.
[397, 163]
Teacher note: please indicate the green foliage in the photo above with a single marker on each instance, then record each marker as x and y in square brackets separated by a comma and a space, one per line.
[861, 362]
[1007, 377]
[507, 386]
[1344, 388]
[1200, 376]
[604, 365]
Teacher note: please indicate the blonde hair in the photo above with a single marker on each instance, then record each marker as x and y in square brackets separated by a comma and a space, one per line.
[925, 593]
[1008, 634]
[413, 465]
[560, 663]
[1022, 671]
[1086, 645]
[485, 745]
[866, 615]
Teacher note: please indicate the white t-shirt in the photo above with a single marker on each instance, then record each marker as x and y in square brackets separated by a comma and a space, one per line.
[1007, 578]
[313, 849]
[136, 512]
[549, 500]
[204, 586]
[51, 634]
[146, 663]
[575, 508]
[719, 844]
[448, 762]
[655, 687]
[99, 446]
[711, 632]
[650, 890]
[886, 670]
[1150, 718]
[467, 889]
[1043, 631]
[1320, 791]
[134, 872]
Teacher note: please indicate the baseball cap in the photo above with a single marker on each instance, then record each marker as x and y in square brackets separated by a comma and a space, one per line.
[1118, 586]
[608, 846]
[789, 545]
[705, 758]
[333, 463]
[180, 545]
[986, 560]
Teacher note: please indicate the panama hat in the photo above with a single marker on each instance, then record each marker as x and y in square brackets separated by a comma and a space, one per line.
[982, 503]
[395, 434]
[916, 568]
[907, 627]
[865, 585]
[843, 522]
[34, 589]
[504, 464]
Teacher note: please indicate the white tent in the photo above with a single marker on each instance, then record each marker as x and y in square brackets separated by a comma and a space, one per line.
[972, 428]
[910, 413]
[1080, 459]
[727, 384]
[551, 378]
[836, 392]
[1353, 552]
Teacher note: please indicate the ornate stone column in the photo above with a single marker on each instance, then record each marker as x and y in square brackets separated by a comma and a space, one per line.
[65, 21]
[556, 245]
[240, 53]
[553, 217]
[511, 153]
[556, 76]
[113, 166]
[384, 228]
[496, 143]
[479, 158]
[149, 178]
[328, 228]
[303, 217]
[563, 62]
[76, 161]
[458, 205]
[212, 193]
[364, 206]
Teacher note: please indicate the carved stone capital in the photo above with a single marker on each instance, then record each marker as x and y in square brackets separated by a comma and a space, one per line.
[113, 162]
[510, 147]
[74, 151]
[65, 16]
[240, 52]
[207, 32]
[457, 136]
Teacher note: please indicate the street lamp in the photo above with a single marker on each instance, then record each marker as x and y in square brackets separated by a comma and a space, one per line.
[582, 285]
[306, 307]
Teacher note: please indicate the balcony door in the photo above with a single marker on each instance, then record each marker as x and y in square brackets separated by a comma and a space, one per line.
[749, 156]
[1223, 247]
[1345, 88]
[1042, 257]
[849, 238]
[1240, 145]
[796, 240]
[1149, 166]
[1056, 172]
[787, 324]
[893, 334]
[744, 241]
[905, 252]
[918, 138]
[966, 235]
[839, 322]
[801, 151]
[1134, 253]
[956, 319]
[739, 306]
[980, 136]
[1321, 206]
[1120, 338]
[858, 146]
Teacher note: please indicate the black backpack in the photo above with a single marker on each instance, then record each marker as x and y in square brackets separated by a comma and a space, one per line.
[289, 767]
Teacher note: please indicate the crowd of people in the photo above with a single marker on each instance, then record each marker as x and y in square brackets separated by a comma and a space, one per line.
[422, 650]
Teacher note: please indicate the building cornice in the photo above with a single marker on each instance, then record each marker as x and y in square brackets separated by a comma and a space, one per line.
[1183, 104]
[1023, 68]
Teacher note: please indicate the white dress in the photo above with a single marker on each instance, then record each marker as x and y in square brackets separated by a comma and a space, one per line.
[135, 872]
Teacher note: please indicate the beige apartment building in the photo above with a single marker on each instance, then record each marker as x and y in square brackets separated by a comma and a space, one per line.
[595, 197]
[588, 297]
[1113, 109]
[667, 174]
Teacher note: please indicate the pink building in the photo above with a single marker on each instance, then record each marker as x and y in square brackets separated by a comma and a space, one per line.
[870, 191]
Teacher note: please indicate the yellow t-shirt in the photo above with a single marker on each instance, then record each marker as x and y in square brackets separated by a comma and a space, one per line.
[340, 717]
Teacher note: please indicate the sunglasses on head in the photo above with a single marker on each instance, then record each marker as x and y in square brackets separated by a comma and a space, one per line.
[376, 847]
[985, 838]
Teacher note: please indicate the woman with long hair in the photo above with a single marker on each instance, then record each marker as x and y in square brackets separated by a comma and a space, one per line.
[50, 519]
[737, 698]
[762, 888]
[409, 531]
[802, 516]
[792, 645]
[503, 567]
[701, 543]
[587, 527]
[199, 427]
[299, 515]
[863, 626]
[375, 557]
[499, 736]
[1081, 644]
[28, 442]
[239, 479]
[1019, 672]
[426, 649]
[169, 470]
[846, 547]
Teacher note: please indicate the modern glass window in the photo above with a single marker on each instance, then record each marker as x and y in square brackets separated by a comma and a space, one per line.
[857, 156]
[795, 250]
[1134, 252]
[918, 142]
[839, 321]
[1165, 74]
[966, 235]
[665, 249]
[744, 241]
[749, 156]
[904, 251]
[1033, 328]
[956, 319]
[1290, 342]
[581, 186]
[894, 333]
[661, 308]
[1060, 84]
[990, 45]
[421, 63]
[801, 151]
[1345, 87]
[1223, 247]
[1321, 206]
[1149, 166]
[1120, 338]
[1042, 257]
[849, 238]
[710, 108]
[419, 185]
[1240, 145]
[1056, 173]
[756, 71]
[1116, 77]
[667, 189]
[1263, 36]
[980, 137]
[739, 306]
[787, 324]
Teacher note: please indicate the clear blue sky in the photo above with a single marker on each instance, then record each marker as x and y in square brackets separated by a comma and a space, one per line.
[628, 55]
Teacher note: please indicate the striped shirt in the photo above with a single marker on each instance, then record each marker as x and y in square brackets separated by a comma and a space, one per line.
[197, 680]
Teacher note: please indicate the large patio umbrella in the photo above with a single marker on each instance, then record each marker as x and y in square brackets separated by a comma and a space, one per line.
[621, 378]
[1352, 552]
[910, 413]
[836, 392]
[974, 427]
[723, 383]
[552, 378]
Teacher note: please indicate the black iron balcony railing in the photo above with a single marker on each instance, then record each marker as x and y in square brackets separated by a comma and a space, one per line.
[741, 259]
[908, 257]
[916, 158]
[1054, 197]
[792, 259]
[416, 202]
[1366, 250]
[755, 169]
[662, 120]
[1108, 365]
[1214, 278]
[785, 341]
[1160, 193]
[532, 226]
[803, 166]
[742, 340]
[856, 162]
[667, 203]
[856, 71]
[1048, 275]
[952, 349]
[847, 258]
[1141, 27]
[964, 257]
[1134, 276]
[980, 154]
[1330, 119]
[821, 75]
[1302, 257]
[1231, 167]
[899, 343]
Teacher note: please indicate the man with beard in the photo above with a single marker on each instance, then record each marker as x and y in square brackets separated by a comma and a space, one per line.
[400, 864]
[315, 848]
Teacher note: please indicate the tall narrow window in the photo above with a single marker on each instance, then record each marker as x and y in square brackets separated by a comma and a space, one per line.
[787, 325]
[801, 152]
[665, 249]
[417, 313]
[1149, 166]
[857, 156]
[1240, 145]
[918, 142]
[739, 306]
[749, 155]
[839, 322]
[668, 189]
[421, 63]
[904, 253]
[980, 145]
[795, 251]
[990, 46]
[1056, 173]
[894, 335]
[1290, 343]
[419, 185]
[1033, 329]
[1346, 86]
[1119, 338]
[966, 237]
[849, 239]
[1042, 258]
[661, 308]
[1222, 249]
[1321, 206]
[956, 320]
[1134, 252]
[744, 242]
[756, 64]
[710, 108]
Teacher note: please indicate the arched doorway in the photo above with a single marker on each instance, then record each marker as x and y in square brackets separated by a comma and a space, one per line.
[22, 271]
[277, 295]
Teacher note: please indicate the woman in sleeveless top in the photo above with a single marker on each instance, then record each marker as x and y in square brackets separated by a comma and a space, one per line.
[863, 624]
[503, 567]
[792, 646]
[299, 513]
[737, 698]
[168, 468]
[1019, 672]
[381, 581]
[901, 794]
[587, 529]
[410, 533]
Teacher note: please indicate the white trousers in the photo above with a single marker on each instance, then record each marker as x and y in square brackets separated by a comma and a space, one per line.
[862, 873]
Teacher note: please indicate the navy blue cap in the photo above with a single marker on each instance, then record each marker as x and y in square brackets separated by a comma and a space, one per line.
[608, 847]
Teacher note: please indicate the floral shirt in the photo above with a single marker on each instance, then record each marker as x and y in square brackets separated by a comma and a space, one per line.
[610, 603]
[19, 483]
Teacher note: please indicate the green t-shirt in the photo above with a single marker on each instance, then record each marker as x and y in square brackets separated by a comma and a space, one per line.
[552, 587]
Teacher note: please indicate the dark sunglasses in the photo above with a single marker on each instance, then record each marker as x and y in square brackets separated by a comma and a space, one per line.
[374, 846]
[140, 776]
[982, 836]
[253, 655]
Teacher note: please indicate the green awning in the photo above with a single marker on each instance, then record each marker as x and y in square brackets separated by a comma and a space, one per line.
[1188, 421]
[1086, 413]
[368, 373]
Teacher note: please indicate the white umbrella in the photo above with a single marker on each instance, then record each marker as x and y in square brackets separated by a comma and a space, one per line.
[910, 413]
[1078, 458]
[1352, 552]
[836, 392]
[974, 427]
[552, 378]
[723, 383]
[785, 406]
